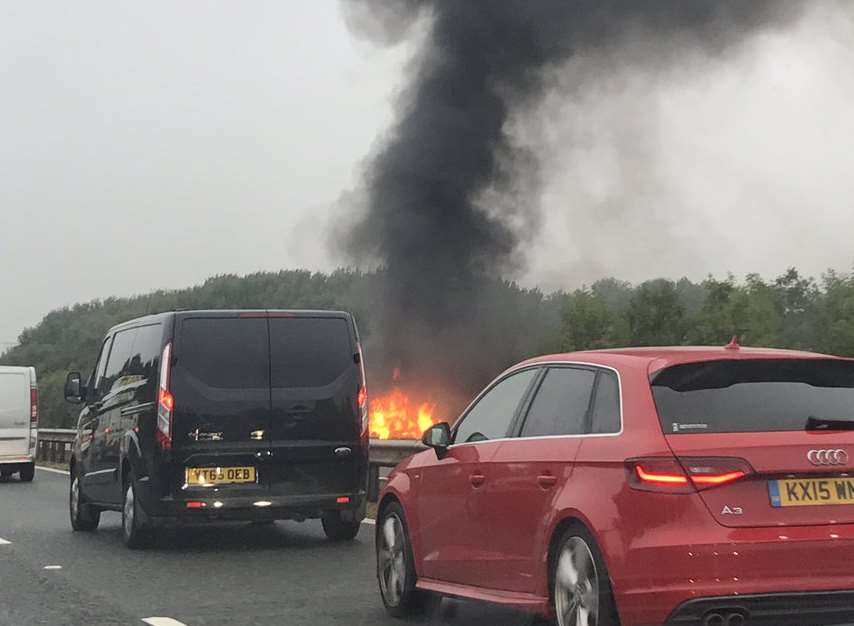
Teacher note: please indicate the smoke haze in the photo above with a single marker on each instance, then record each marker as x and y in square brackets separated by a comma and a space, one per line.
[451, 195]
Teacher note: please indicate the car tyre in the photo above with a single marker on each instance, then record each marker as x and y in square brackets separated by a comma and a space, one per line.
[84, 517]
[396, 565]
[581, 586]
[27, 472]
[338, 529]
[134, 534]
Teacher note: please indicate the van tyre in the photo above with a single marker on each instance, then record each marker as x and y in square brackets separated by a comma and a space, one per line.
[581, 587]
[396, 565]
[134, 534]
[84, 516]
[338, 529]
[27, 472]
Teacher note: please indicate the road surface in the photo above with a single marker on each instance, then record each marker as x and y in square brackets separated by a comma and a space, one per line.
[236, 575]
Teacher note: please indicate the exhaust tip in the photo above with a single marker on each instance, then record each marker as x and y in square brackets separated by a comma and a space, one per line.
[736, 619]
[714, 619]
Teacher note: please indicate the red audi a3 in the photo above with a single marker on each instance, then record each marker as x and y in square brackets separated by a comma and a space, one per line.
[644, 486]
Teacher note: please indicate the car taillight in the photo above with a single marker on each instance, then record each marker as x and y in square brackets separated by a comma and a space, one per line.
[685, 475]
[165, 401]
[34, 407]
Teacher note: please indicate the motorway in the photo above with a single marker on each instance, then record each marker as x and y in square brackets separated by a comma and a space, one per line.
[287, 574]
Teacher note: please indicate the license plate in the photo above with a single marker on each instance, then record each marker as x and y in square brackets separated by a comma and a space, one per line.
[207, 476]
[811, 491]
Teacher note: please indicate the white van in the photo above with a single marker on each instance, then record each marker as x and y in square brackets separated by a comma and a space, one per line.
[19, 421]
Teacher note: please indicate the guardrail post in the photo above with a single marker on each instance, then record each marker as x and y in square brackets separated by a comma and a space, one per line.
[373, 483]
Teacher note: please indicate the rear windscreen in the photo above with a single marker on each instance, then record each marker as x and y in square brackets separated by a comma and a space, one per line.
[227, 353]
[753, 396]
[309, 351]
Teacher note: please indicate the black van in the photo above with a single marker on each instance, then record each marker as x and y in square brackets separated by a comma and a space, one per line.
[199, 416]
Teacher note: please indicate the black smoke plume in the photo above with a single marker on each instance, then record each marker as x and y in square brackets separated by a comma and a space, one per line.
[450, 198]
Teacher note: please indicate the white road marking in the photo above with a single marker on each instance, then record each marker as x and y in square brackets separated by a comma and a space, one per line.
[3, 542]
[162, 621]
[50, 469]
[52, 567]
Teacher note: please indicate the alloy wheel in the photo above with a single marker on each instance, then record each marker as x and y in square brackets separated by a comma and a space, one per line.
[576, 585]
[128, 511]
[392, 560]
[75, 498]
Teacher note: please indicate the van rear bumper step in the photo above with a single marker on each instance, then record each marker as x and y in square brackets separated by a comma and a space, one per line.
[199, 510]
[824, 608]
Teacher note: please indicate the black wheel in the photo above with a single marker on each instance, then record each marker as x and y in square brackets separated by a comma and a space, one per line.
[27, 472]
[83, 516]
[581, 587]
[5, 474]
[338, 529]
[396, 565]
[134, 535]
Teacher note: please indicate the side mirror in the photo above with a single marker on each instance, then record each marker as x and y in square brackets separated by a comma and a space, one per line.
[73, 388]
[438, 437]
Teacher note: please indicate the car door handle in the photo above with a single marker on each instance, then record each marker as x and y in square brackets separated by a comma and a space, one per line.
[477, 480]
[547, 481]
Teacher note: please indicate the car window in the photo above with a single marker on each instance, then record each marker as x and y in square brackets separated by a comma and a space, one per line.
[491, 417]
[98, 370]
[223, 353]
[561, 403]
[606, 404]
[761, 395]
[118, 359]
[309, 351]
[145, 353]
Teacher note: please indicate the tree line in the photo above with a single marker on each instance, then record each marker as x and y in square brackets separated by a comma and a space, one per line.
[790, 311]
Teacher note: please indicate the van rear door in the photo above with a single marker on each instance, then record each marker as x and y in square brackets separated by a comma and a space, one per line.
[14, 412]
[220, 381]
[315, 425]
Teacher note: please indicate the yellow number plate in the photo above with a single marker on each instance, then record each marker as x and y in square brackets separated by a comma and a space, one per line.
[811, 491]
[219, 475]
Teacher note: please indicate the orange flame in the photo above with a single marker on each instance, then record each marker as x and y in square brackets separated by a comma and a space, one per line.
[395, 416]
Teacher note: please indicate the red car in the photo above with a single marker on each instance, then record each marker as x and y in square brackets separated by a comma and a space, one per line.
[645, 486]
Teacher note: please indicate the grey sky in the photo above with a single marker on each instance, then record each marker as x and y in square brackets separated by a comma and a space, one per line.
[151, 145]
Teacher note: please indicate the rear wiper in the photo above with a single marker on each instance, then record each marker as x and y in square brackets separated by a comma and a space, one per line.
[821, 423]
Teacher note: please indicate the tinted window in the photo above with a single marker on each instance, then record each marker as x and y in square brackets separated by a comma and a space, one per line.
[146, 352]
[753, 396]
[561, 404]
[228, 353]
[490, 418]
[606, 404]
[118, 359]
[98, 372]
[309, 351]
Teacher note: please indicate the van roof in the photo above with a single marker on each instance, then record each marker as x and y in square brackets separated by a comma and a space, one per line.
[160, 317]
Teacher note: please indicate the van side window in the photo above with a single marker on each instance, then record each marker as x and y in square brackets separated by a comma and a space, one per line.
[491, 417]
[117, 361]
[98, 371]
[145, 353]
[561, 404]
[606, 405]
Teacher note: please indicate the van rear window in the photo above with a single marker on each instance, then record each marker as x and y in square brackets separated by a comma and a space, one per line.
[224, 352]
[309, 351]
[730, 396]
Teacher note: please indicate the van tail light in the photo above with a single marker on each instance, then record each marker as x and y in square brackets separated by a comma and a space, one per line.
[685, 475]
[34, 407]
[165, 401]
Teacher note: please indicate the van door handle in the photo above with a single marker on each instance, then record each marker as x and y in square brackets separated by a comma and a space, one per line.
[547, 481]
[477, 480]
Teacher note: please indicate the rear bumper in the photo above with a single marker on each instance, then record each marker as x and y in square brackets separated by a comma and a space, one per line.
[800, 574]
[171, 512]
[783, 609]
[16, 460]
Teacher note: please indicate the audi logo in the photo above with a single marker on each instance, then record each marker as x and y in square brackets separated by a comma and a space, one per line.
[827, 457]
